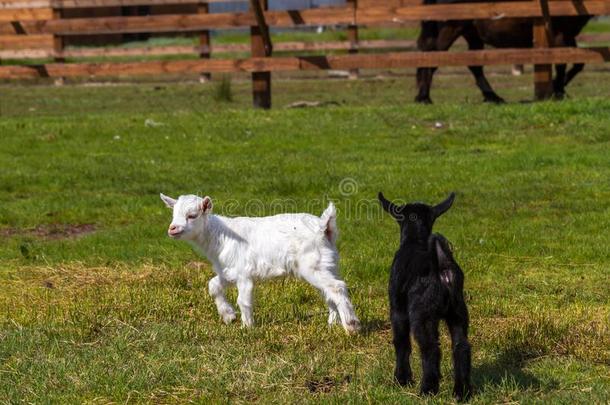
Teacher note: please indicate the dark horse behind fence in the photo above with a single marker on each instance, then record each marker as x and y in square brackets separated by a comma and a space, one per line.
[501, 33]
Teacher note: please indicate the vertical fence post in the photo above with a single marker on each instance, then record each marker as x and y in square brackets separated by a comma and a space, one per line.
[58, 46]
[543, 74]
[261, 81]
[204, 42]
[352, 36]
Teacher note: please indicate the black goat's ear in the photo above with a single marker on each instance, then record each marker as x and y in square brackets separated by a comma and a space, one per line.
[388, 206]
[441, 208]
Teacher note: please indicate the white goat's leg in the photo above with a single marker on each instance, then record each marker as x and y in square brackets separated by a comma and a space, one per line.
[332, 312]
[244, 300]
[335, 294]
[336, 291]
[217, 292]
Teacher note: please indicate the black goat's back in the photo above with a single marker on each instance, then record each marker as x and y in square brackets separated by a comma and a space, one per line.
[425, 279]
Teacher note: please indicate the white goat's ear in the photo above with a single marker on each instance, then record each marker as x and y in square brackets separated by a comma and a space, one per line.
[170, 202]
[206, 205]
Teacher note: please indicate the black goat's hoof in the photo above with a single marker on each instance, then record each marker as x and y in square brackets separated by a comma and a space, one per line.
[429, 389]
[559, 95]
[462, 393]
[404, 381]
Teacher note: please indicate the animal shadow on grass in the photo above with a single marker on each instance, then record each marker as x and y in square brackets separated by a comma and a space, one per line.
[369, 326]
[507, 368]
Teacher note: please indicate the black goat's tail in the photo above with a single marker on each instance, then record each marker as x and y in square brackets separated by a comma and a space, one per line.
[447, 267]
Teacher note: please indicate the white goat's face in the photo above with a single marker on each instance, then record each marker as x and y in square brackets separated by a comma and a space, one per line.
[190, 214]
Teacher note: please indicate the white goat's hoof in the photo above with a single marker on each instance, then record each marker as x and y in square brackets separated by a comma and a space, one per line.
[352, 327]
[228, 317]
[332, 318]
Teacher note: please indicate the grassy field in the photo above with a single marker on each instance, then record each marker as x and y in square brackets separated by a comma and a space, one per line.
[98, 305]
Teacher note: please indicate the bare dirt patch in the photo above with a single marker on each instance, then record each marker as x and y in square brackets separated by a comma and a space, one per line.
[51, 232]
[326, 384]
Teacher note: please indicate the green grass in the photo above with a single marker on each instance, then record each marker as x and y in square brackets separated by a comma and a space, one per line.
[598, 25]
[122, 313]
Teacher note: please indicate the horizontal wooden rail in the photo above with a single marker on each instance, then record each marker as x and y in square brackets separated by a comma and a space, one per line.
[465, 11]
[25, 14]
[61, 4]
[176, 22]
[341, 62]
[292, 18]
[25, 42]
[195, 50]
[45, 50]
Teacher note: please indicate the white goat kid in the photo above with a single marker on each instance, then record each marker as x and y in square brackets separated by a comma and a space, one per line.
[244, 249]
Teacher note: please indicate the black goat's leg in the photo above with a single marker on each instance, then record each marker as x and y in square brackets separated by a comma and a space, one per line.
[476, 43]
[457, 323]
[402, 348]
[433, 37]
[426, 335]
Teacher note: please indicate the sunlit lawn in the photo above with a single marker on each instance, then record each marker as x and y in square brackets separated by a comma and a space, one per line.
[97, 304]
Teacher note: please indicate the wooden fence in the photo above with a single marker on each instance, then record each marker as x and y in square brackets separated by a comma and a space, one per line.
[39, 28]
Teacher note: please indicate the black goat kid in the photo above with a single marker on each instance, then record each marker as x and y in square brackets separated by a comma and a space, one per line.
[426, 285]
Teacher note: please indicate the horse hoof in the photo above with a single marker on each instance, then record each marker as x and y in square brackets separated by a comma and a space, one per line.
[423, 100]
[494, 99]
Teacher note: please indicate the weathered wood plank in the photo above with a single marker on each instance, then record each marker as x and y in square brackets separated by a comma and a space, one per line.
[176, 22]
[204, 42]
[260, 43]
[327, 16]
[40, 46]
[257, 9]
[342, 62]
[26, 14]
[8, 42]
[464, 11]
[58, 41]
[16, 4]
[542, 34]
[352, 37]
[27, 51]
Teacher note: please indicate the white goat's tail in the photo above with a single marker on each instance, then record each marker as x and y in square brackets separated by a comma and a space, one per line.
[328, 223]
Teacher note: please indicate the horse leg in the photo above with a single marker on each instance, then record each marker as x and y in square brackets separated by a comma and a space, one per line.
[433, 38]
[476, 43]
[426, 42]
[559, 82]
[576, 69]
[424, 82]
